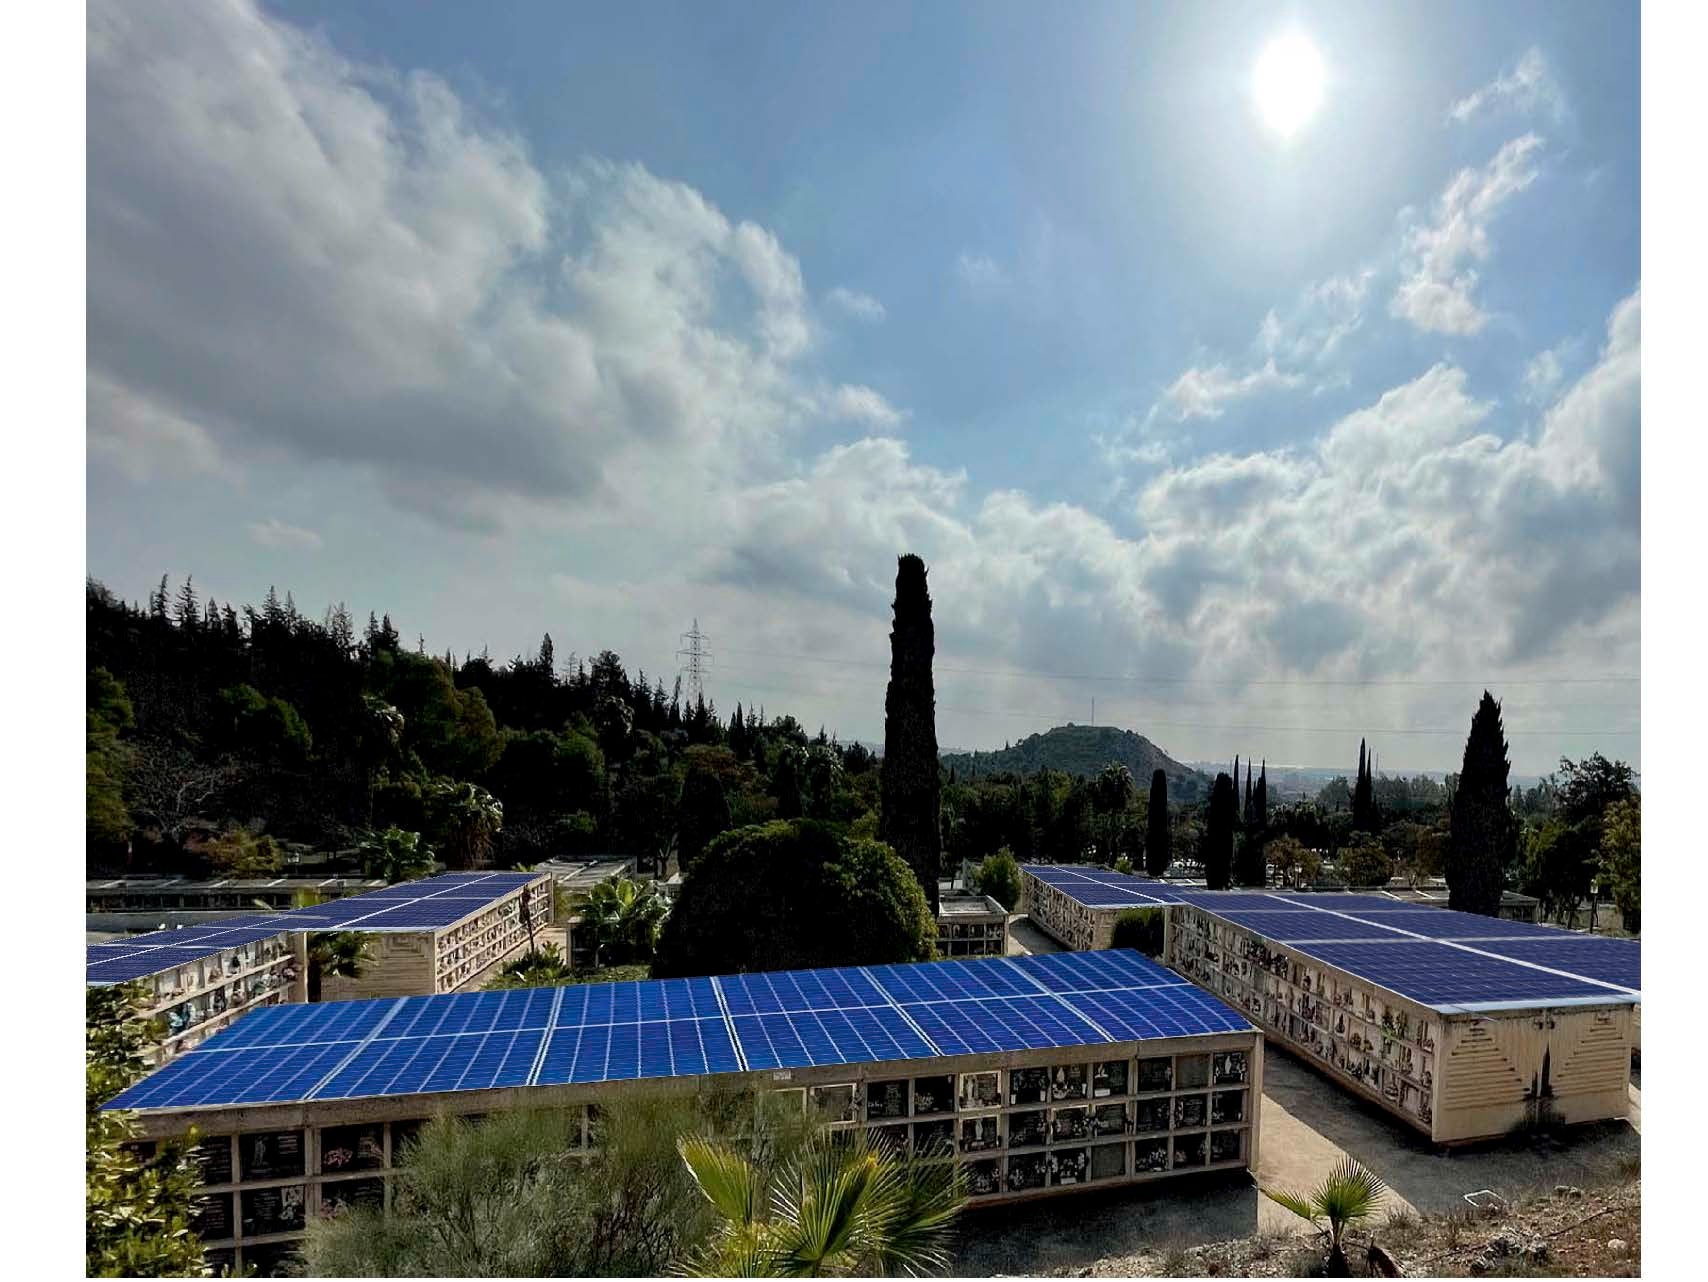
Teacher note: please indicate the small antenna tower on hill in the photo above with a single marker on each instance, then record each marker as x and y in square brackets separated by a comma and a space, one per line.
[696, 658]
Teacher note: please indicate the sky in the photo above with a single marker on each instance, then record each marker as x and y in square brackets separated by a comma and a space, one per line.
[598, 320]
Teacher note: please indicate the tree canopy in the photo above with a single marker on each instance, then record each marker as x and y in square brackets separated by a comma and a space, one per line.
[794, 894]
[910, 818]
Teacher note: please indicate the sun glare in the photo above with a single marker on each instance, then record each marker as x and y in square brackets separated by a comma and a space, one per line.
[1288, 83]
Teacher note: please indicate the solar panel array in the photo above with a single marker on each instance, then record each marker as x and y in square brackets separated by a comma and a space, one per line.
[429, 904]
[683, 1027]
[1435, 956]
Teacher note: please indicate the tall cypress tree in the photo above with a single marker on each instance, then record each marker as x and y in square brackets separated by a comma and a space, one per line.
[1363, 795]
[1260, 800]
[908, 818]
[1157, 851]
[1245, 812]
[1219, 833]
[1482, 837]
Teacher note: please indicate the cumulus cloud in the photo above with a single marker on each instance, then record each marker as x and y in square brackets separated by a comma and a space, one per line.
[1435, 293]
[863, 405]
[852, 301]
[1542, 375]
[1529, 86]
[274, 533]
[296, 254]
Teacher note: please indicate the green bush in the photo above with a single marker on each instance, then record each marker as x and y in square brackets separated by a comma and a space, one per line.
[792, 894]
[1139, 928]
[999, 877]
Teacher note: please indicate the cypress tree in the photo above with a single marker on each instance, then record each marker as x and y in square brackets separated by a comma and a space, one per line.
[909, 814]
[1482, 840]
[1260, 800]
[1363, 795]
[1245, 813]
[1157, 851]
[1219, 833]
[702, 813]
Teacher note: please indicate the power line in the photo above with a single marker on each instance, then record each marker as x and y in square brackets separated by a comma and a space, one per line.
[1037, 674]
[698, 657]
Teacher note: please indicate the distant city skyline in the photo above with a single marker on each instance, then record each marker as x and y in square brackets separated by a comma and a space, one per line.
[1271, 376]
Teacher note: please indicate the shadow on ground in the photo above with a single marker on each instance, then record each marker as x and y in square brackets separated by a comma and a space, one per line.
[1066, 1233]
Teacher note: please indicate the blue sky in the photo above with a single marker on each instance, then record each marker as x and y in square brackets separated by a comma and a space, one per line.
[593, 320]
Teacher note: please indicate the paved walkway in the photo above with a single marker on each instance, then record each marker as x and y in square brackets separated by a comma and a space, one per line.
[1024, 938]
[1308, 1125]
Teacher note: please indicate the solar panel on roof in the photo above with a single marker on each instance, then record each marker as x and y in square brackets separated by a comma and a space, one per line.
[1613, 961]
[1437, 974]
[677, 1027]
[1298, 925]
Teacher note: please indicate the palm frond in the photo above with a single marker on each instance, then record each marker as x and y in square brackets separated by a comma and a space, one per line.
[1300, 1205]
[731, 1183]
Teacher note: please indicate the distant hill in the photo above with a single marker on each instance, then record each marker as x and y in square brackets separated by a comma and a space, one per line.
[1085, 751]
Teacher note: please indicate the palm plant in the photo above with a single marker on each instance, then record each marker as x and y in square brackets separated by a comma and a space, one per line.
[468, 818]
[1348, 1195]
[334, 952]
[395, 855]
[624, 912]
[850, 1210]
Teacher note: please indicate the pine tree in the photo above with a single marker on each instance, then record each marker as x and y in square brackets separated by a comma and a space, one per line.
[157, 601]
[909, 786]
[1482, 839]
[1219, 833]
[547, 662]
[189, 612]
[1157, 832]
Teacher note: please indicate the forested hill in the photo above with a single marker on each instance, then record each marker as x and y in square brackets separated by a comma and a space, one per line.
[1083, 751]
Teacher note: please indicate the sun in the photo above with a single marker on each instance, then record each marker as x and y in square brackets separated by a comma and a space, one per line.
[1288, 83]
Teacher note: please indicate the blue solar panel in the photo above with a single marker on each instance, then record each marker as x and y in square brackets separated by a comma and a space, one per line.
[1300, 925]
[1341, 902]
[1443, 923]
[677, 1027]
[1095, 894]
[1055, 874]
[1441, 974]
[1003, 1024]
[1218, 901]
[768, 992]
[1613, 961]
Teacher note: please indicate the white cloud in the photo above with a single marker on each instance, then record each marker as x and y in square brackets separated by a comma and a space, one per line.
[274, 533]
[1542, 374]
[295, 255]
[863, 405]
[980, 272]
[1435, 293]
[1529, 86]
[860, 306]
[1202, 392]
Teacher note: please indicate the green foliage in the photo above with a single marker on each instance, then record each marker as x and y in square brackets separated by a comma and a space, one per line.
[107, 716]
[624, 917]
[1483, 837]
[909, 819]
[341, 953]
[793, 894]
[999, 877]
[1249, 866]
[1585, 789]
[1560, 862]
[1363, 861]
[836, 1210]
[1294, 864]
[702, 813]
[1082, 752]
[1158, 847]
[138, 1210]
[540, 968]
[540, 773]
[241, 852]
[262, 726]
[1621, 859]
[1140, 928]
[395, 855]
[1348, 1195]
[1219, 822]
[464, 819]
[509, 1197]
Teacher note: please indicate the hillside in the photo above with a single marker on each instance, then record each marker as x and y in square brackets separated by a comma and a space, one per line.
[1084, 751]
